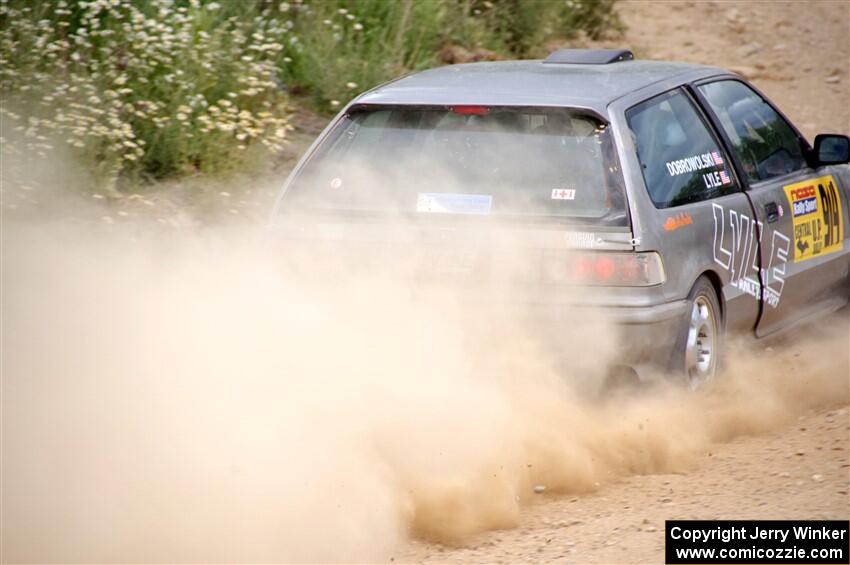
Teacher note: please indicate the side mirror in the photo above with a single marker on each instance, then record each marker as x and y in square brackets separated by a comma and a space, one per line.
[831, 149]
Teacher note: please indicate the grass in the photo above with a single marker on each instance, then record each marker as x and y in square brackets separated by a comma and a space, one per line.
[143, 90]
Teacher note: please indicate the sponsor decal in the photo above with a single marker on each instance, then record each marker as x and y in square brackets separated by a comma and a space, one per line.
[563, 194]
[713, 179]
[694, 163]
[816, 215]
[807, 206]
[449, 203]
[736, 249]
[678, 221]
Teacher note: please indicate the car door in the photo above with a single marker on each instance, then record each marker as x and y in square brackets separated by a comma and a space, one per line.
[798, 210]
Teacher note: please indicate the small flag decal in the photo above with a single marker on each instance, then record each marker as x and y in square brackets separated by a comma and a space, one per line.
[563, 194]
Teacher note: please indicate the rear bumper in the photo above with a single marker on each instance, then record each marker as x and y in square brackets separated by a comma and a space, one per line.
[649, 335]
[643, 335]
[620, 315]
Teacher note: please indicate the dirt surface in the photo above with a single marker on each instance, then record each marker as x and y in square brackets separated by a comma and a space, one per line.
[800, 472]
[798, 53]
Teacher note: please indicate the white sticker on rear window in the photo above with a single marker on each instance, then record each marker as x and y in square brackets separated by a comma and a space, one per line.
[563, 194]
[449, 203]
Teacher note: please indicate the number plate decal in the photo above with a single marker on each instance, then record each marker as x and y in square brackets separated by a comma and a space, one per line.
[815, 207]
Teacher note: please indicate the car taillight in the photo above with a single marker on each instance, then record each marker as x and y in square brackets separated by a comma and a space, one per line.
[603, 268]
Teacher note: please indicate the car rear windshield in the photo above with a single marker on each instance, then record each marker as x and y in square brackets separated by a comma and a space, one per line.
[464, 160]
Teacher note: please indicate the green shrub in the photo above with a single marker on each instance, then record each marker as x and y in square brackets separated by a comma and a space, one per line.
[152, 88]
[523, 27]
[147, 88]
[341, 47]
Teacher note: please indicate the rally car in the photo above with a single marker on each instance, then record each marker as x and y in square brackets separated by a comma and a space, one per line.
[681, 201]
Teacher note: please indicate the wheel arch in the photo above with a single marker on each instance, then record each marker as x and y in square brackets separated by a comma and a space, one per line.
[716, 283]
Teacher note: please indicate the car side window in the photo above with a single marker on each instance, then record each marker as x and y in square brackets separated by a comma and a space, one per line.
[682, 161]
[764, 143]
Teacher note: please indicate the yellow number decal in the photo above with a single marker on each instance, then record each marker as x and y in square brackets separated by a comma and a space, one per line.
[816, 211]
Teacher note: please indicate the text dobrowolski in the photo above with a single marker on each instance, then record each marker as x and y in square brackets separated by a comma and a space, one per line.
[736, 248]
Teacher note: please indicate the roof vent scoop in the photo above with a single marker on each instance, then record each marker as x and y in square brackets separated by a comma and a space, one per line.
[588, 56]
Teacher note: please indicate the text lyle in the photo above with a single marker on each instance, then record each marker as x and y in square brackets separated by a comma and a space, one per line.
[736, 249]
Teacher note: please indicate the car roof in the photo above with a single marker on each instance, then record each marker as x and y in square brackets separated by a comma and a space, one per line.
[531, 83]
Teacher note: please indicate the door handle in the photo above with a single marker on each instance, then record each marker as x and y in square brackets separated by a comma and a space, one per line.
[772, 212]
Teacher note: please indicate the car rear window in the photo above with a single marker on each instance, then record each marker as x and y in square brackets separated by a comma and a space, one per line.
[464, 160]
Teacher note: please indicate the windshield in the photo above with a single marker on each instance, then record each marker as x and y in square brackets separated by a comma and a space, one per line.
[464, 160]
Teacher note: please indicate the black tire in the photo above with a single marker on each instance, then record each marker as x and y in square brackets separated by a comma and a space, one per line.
[697, 356]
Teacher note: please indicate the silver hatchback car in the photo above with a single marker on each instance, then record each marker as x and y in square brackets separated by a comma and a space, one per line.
[677, 195]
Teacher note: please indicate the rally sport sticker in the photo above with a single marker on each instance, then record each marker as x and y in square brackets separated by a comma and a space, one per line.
[816, 212]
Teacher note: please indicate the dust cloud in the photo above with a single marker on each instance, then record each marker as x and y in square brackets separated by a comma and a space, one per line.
[186, 397]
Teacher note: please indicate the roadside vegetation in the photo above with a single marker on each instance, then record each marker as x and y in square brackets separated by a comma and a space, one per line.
[143, 90]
